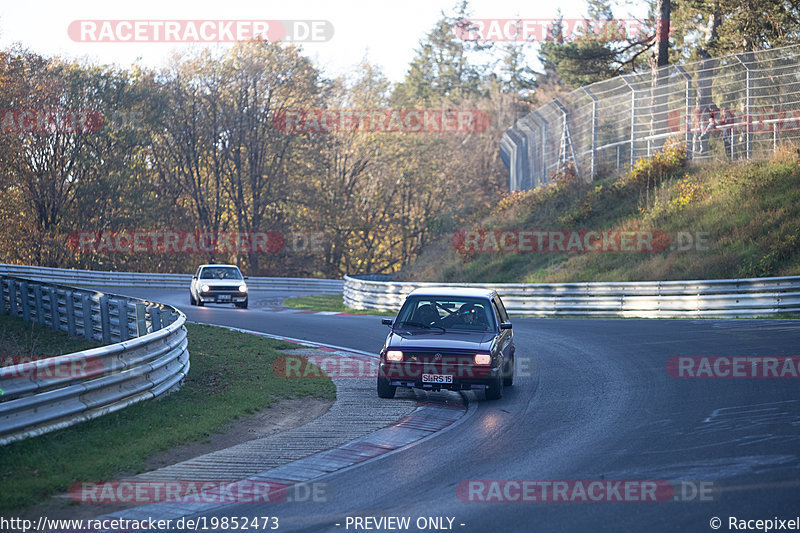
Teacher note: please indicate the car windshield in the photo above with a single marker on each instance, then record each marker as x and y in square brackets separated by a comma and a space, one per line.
[220, 273]
[449, 313]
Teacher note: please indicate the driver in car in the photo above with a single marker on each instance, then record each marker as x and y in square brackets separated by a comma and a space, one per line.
[471, 315]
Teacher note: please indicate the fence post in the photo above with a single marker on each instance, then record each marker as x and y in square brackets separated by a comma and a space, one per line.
[633, 118]
[748, 102]
[688, 97]
[88, 320]
[774, 137]
[566, 138]
[594, 132]
[515, 170]
[527, 181]
[545, 137]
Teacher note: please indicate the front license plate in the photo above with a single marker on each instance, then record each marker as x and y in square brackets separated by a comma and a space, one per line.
[437, 378]
[224, 298]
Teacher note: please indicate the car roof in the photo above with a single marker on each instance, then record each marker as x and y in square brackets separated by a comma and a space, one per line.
[217, 265]
[472, 292]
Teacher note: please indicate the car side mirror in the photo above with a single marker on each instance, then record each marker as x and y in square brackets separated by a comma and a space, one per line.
[505, 325]
[387, 321]
[246, 277]
[194, 277]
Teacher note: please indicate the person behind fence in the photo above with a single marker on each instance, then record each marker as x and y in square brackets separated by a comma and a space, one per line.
[708, 124]
[725, 123]
[701, 128]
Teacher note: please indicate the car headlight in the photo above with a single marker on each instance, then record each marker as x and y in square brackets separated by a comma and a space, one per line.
[242, 288]
[205, 288]
[483, 359]
[394, 355]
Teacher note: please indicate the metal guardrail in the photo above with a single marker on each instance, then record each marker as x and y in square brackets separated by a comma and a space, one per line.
[728, 298]
[149, 357]
[162, 281]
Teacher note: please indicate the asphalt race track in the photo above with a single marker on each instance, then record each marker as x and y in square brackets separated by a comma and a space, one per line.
[592, 400]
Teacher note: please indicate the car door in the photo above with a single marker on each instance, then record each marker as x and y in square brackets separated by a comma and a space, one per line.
[506, 339]
[196, 282]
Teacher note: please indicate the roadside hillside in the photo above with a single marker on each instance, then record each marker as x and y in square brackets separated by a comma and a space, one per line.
[720, 220]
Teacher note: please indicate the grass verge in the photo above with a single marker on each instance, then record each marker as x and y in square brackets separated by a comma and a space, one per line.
[331, 302]
[231, 376]
[20, 339]
[724, 220]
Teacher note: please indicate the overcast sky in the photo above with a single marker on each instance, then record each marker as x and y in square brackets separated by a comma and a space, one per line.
[387, 33]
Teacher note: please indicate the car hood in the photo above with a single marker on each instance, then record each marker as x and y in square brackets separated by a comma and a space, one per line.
[436, 340]
[221, 282]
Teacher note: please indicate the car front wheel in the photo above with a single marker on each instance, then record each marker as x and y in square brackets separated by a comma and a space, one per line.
[495, 389]
[385, 390]
[508, 373]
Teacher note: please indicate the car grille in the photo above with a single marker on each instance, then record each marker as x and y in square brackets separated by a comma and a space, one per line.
[432, 357]
[415, 363]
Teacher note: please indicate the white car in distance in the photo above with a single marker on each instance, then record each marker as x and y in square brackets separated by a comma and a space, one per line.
[221, 284]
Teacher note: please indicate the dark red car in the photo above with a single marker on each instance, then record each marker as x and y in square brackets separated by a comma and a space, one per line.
[448, 338]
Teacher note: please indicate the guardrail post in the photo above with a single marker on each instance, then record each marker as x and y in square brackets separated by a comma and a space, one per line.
[55, 320]
[155, 318]
[105, 320]
[38, 304]
[70, 310]
[124, 332]
[25, 301]
[3, 284]
[168, 317]
[88, 320]
[141, 320]
[13, 310]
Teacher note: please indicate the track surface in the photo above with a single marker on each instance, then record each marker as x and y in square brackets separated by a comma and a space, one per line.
[592, 401]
